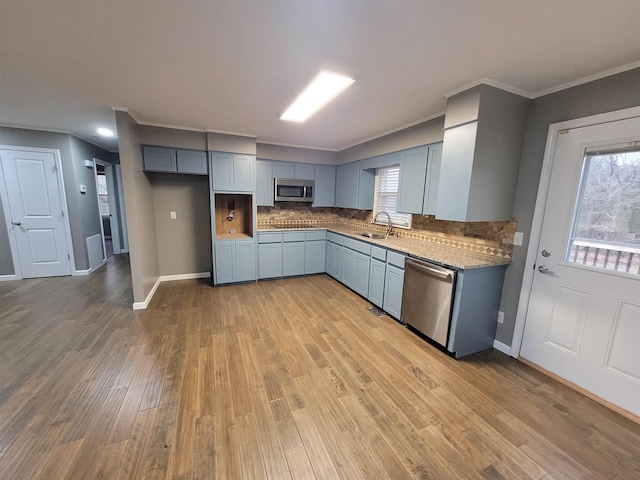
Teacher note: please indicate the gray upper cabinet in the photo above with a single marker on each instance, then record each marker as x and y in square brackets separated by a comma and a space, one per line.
[432, 182]
[413, 173]
[264, 183]
[192, 161]
[353, 179]
[232, 172]
[325, 184]
[159, 159]
[304, 171]
[341, 186]
[172, 160]
[283, 170]
[484, 130]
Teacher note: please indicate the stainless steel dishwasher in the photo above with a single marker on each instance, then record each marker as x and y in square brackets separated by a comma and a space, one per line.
[427, 296]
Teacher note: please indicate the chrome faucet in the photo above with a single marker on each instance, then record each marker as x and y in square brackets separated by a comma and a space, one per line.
[388, 232]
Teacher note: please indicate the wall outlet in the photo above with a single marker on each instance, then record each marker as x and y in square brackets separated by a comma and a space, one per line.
[500, 317]
[173, 215]
[518, 238]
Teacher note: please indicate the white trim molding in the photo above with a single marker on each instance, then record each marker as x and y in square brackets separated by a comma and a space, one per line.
[168, 278]
[541, 202]
[89, 271]
[501, 347]
[7, 278]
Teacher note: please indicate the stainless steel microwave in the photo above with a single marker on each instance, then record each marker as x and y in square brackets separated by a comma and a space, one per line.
[289, 190]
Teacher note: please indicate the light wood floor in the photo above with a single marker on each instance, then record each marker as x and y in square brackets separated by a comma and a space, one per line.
[283, 379]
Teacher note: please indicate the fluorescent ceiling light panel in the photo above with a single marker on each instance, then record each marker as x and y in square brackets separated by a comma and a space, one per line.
[105, 132]
[322, 90]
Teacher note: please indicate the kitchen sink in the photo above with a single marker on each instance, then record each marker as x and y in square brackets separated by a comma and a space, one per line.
[376, 236]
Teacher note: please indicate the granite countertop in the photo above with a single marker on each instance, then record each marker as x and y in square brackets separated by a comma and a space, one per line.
[448, 256]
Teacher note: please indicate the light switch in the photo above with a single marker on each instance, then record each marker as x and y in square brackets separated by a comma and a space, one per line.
[518, 238]
[173, 215]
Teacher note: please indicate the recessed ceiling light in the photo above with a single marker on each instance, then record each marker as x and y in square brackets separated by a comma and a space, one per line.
[322, 90]
[105, 132]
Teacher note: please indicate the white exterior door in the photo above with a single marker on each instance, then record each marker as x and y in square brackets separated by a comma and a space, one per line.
[35, 212]
[583, 317]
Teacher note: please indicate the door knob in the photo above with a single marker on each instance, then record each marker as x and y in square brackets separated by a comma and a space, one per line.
[546, 253]
[17, 224]
[544, 269]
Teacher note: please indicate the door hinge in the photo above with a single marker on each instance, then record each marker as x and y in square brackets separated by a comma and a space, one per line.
[62, 213]
[563, 132]
[68, 256]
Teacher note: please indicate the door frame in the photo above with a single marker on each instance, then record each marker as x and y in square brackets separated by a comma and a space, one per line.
[114, 214]
[124, 247]
[63, 201]
[555, 129]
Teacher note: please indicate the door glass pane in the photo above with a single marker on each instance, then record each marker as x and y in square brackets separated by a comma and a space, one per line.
[606, 225]
[102, 194]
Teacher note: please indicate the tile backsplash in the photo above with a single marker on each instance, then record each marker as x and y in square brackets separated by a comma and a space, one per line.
[492, 238]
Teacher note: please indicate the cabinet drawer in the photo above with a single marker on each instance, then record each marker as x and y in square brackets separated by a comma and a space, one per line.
[396, 259]
[316, 235]
[379, 253]
[293, 237]
[357, 245]
[335, 238]
[269, 237]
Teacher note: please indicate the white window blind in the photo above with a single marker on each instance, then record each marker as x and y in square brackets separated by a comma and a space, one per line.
[386, 197]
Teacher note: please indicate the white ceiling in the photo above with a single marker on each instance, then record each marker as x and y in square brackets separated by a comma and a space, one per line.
[234, 66]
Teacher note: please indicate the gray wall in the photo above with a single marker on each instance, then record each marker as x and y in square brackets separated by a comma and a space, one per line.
[138, 199]
[231, 143]
[169, 137]
[295, 154]
[184, 244]
[608, 94]
[421, 134]
[83, 209]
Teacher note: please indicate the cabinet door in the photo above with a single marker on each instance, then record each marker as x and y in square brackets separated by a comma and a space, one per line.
[245, 261]
[341, 186]
[293, 254]
[283, 170]
[192, 161]
[325, 180]
[353, 178]
[221, 171]
[225, 254]
[413, 172]
[348, 267]
[393, 283]
[270, 260]
[159, 159]
[377, 271]
[455, 172]
[264, 183]
[432, 181]
[244, 173]
[331, 250]
[361, 277]
[304, 171]
[315, 256]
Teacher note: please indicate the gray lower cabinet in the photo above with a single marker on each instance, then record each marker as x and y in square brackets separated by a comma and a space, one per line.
[361, 278]
[293, 258]
[315, 256]
[234, 262]
[393, 283]
[334, 260]
[348, 267]
[270, 260]
[377, 271]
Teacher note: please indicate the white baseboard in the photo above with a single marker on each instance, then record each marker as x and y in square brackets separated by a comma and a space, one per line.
[6, 278]
[90, 270]
[145, 304]
[184, 276]
[168, 278]
[501, 347]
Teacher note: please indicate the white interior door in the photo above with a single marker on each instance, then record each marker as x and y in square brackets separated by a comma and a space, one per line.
[124, 248]
[583, 317]
[35, 212]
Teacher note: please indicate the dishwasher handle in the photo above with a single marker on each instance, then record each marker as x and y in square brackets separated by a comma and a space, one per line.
[430, 269]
